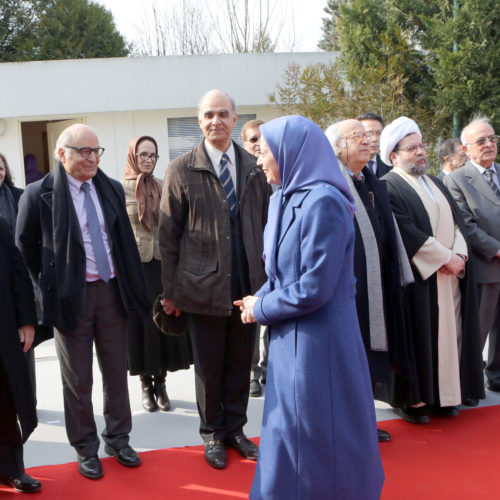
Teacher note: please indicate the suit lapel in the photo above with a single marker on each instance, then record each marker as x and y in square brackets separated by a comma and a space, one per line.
[477, 181]
[290, 215]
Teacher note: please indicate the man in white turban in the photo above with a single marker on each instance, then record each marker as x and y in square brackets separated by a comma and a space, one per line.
[441, 306]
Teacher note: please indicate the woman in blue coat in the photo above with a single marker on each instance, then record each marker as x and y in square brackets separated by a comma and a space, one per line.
[319, 436]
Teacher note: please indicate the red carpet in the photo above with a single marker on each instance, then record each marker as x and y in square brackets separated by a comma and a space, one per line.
[455, 459]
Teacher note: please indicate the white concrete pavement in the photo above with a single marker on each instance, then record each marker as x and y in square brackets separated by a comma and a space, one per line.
[179, 427]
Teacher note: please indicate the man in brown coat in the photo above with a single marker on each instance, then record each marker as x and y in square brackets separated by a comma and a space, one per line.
[212, 217]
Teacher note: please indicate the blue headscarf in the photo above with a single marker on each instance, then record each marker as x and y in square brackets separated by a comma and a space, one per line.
[305, 158]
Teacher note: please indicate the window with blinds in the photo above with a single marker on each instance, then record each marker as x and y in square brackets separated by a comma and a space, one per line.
[184, 133]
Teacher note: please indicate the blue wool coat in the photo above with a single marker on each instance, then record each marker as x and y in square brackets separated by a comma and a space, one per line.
[319, 437]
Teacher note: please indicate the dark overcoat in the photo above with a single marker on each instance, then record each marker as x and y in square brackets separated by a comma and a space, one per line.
[397, 355]
[421, 304]
[18, 309]
[49, 237]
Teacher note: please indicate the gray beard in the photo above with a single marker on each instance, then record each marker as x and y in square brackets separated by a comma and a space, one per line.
[413, 169]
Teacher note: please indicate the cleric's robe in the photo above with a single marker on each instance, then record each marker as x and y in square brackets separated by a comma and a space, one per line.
[429, 231]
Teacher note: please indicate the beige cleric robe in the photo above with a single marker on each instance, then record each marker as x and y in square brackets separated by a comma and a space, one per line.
[435, 252]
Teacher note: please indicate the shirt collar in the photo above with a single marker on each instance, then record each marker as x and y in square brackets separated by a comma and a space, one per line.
[74, 184]
[215, 154]
[482, 169]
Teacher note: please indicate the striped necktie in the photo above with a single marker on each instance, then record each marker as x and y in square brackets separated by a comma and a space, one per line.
[100, 254]
[227, 184]
[489, 179]
[371, 166]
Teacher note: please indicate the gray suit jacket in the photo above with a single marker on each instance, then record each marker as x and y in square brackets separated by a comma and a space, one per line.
[481, 210]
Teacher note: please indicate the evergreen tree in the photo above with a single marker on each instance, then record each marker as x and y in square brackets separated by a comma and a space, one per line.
[57, 29]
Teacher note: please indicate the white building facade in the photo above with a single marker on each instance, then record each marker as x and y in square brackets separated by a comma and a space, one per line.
[122, 98]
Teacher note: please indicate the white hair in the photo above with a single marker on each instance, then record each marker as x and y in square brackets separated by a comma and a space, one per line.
[334, 134]
[476, 119]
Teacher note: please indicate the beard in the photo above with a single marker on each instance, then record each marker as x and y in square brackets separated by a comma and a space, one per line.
[411, 167]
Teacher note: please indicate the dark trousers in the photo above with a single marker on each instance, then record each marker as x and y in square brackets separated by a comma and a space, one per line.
[222, 353]
[11, 446]
[260, 354]
[103, 323]
[489, 317]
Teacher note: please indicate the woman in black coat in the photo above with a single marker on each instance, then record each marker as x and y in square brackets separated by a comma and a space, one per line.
[16, 336]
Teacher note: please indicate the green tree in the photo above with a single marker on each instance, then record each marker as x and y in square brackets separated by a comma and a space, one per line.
[329, 40]
[464, 50]
[17, 38]
[446, 51]
[78, 29]
[57, 29]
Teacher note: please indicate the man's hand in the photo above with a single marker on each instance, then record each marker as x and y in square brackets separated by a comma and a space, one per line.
[26, 335]
[246, 307]
[169, 308]
[454, 266]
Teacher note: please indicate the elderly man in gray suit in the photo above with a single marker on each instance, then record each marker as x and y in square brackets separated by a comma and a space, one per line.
[476, 188]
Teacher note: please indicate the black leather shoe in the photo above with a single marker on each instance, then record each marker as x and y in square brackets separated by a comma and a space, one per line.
[23, 483]
[445, 411]
[470, 402]
[125, 456]
[383, 436]
[492, 387]
[90, 467]
[255, 389]
[243, 446]
[413, 415]
[215, 454]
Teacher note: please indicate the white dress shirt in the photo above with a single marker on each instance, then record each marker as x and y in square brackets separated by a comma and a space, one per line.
[215, 156]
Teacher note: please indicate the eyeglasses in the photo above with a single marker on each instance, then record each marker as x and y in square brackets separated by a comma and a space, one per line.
[482, 140]
[413, 149]
[85, 151]
[145, 156]
[253, 140]
[358, 136]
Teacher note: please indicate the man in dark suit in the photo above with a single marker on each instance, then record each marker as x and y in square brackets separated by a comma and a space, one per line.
[212, 217]
[476, 188]
[75, 235]
[450, 156]
[374, 123]
[376, 257]
[16, 335]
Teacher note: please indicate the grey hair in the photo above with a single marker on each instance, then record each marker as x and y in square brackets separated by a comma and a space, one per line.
[233, 104]
[66, 137]
[475, 119]
[446, 148]
[334, 134]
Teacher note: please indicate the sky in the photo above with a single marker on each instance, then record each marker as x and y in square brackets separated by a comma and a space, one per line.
[307, 19]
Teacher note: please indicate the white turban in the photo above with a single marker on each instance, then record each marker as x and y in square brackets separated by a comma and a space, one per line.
[393, 133]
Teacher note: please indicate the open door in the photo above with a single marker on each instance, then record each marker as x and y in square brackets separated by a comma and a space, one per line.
[54, 130]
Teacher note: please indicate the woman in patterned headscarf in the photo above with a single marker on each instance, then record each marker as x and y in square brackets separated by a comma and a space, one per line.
[319, 438]
[151, 353]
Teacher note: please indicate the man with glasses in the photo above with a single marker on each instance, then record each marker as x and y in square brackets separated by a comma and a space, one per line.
[376, 257]
[441, 305]
[476, 188]
[450, 156]
[75, 236]
[250, 136]
[374, 123]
